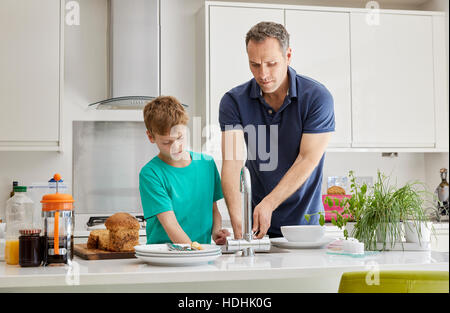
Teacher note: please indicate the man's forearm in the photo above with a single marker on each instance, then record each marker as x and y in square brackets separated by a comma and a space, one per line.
[232, 196]
[233, 148]
[294, 178]
[312, 148]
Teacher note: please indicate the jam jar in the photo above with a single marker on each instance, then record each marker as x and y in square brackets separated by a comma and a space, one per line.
[30, 248]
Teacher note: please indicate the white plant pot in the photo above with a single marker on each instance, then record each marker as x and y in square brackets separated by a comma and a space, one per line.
[412, 231]
[388, 238]
[350, 227]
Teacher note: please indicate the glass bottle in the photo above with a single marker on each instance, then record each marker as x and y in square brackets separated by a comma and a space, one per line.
[19, 213]
[443, 192]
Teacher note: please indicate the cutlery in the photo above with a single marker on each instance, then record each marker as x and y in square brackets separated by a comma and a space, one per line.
[173, 247]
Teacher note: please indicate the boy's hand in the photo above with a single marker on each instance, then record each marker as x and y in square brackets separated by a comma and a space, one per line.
[220, 236]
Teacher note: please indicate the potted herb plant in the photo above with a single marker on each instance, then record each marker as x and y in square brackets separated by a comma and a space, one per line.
[386, 209]
[411, 200]
[380, 221]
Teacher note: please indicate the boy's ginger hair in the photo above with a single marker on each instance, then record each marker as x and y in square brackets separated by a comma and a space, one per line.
[163, 113]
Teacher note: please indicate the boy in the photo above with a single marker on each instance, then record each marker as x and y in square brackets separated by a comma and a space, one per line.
[178, 188]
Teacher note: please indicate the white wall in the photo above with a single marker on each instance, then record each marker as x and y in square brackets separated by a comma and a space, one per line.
[86, 82]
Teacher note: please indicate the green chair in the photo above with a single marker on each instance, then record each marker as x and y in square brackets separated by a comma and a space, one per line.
[395, 282]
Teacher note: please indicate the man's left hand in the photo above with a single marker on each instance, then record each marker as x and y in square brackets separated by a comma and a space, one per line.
[262, 216]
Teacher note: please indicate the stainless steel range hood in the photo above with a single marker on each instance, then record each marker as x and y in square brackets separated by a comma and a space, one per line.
[134, 54]
[122, 103]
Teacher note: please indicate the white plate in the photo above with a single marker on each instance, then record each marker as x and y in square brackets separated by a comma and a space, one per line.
[160, 255]
[179, 261]
[162, 249]
[284, 243]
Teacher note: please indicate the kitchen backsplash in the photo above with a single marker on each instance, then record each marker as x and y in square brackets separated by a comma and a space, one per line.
[107, 158]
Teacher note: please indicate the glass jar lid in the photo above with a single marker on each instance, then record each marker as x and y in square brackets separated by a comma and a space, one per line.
[28, 232]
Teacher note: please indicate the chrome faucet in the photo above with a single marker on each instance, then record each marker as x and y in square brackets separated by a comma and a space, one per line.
[247, 245]
[246, 189]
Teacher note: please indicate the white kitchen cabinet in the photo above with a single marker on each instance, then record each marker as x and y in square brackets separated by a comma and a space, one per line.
[228, 61]
[31, 74]
[392, 81]
[439, 237]
[389, 80]
[440, 49]
[440, 243]
[323, 53]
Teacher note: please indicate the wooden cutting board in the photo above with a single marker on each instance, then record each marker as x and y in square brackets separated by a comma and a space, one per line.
[83, 252]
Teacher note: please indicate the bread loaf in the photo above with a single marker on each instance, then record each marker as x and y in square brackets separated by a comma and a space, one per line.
[92, 242]
[98, 239]
[123, 232]
[122, 221]
[104, 240]
[336, 190]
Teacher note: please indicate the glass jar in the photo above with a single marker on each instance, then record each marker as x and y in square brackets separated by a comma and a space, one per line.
[30, 248]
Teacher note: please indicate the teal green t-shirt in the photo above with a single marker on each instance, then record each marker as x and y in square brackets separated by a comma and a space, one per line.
[188, 191]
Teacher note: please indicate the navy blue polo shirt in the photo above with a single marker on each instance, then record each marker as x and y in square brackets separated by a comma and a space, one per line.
[273, 141]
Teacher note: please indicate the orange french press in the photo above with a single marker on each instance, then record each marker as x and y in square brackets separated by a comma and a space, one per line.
[58, 222]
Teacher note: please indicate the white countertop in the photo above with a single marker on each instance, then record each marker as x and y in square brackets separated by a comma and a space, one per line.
[279, 264]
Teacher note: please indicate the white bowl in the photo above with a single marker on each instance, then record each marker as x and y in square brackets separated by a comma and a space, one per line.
[303, 233]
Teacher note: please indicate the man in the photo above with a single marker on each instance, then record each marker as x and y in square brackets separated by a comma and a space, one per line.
[296, 113]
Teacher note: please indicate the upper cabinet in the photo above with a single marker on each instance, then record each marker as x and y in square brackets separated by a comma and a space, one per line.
[323, 53]
[387, 75]
[392, 81]
[31, 74]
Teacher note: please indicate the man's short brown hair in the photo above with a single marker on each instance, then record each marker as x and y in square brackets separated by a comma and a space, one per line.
[263, 30]
[163, 113]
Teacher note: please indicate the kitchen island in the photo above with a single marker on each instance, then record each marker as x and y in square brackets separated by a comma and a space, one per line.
[281, 270]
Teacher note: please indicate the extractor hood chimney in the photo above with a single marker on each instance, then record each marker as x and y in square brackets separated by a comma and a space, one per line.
[134, 54]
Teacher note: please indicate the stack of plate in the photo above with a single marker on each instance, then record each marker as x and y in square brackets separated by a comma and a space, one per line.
[159, 254]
